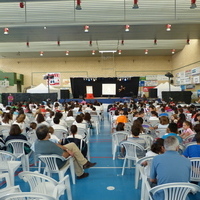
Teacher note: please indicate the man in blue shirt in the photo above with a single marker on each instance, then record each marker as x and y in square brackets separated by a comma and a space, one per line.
[169, 167]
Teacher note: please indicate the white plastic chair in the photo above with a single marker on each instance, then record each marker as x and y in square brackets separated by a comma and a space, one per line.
[9, 164]
[140, 171]
[4, 131]
[154, 122]
[43, 184]
[189, 138]
[160, 132]
[18, 150]
[95, 122]
[131, 149]
[195, 171]
[69, 122]
[82, 132]
[117, 138]
[60, 133]
[26, 196]
[148, 139]
[52, 167]
[172, 191]
[9, 187]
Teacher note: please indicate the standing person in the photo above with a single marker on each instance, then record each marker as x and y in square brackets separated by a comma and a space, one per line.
[122, 91]
[10, 99]
[169, 167]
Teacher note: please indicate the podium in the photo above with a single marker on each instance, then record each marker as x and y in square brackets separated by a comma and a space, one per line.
[89, 92]
[89, 96]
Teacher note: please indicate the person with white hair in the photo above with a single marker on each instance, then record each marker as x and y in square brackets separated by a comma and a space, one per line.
[169, 167]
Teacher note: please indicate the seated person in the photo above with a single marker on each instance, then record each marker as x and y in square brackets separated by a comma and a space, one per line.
[57, 124]
[120, 126]
[172, 130]
[79, 122]
[187, 129]
[44, 146]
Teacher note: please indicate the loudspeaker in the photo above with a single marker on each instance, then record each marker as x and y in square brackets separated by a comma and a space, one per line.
[64, 94]
[153, 93]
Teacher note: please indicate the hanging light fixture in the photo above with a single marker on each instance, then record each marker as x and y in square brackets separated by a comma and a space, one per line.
[127, 28]
[6, 31]
[188, 41]
[120, 52]
[146, 51]
[168, 27]
[21, 4]
[193, 4]
[155, 41]
[41, 53]
[90, 43]
[58, 42]
[122, 42]
[67, 53]
[27, 44]
[78, 5]
[93, 52]
[86, 29]
[173, 51]
[135, 4]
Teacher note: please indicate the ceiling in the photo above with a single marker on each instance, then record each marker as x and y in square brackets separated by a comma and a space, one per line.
[56, 26]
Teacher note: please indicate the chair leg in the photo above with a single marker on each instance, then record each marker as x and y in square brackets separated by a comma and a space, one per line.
[68, 189]
[114, 151]
[124, 165]
[71, 165]
[137, 172]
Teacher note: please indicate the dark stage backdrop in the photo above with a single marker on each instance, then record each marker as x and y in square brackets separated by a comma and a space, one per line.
[79, 86]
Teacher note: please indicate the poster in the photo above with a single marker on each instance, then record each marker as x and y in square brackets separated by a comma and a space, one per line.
[55, 79]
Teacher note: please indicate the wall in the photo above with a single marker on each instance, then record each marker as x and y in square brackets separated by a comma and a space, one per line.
[34, 69]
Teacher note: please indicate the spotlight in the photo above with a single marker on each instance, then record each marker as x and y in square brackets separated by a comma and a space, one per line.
[93, 52]
[146, 51]
[41, 53]
[58, 42]
[135, 4]
[86, 29]
[127, 28]
[21, 4]
[168, 27]
[90, 42]
[120, 52]
[122, 42]
[188, 41]
[155, 42]
[78, 5]
[173, 51]
[67, 53]
[193, 4]
[6, 30]
[27, 44]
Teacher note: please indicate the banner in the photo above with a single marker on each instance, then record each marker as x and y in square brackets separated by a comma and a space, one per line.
[55, 79]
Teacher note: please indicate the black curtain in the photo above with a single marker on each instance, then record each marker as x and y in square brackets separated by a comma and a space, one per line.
[78, 86]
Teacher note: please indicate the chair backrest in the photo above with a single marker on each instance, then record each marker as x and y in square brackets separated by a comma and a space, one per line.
[148, 139]
[4, 131]
[172, 191]
[4, 158]
[189, 138]
[50, 162]
[60, 133]
[69, 122]
[27, 196]
[119, 136]
[154, 122]
[132, 149]
[39, 183]
[160, 132]
[82, 132]
[195, 171]
[18, 146]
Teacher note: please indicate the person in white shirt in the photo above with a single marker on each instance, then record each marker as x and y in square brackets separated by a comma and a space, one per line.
[73, 133]
[57, 125]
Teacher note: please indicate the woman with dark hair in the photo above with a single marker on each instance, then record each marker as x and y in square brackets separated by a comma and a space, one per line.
[79, 122]
[70, 115]
[7, 119]
[40, 120]
[20, 121]
[120, 126]
[181, 119]
[73, 133]
[87, 119]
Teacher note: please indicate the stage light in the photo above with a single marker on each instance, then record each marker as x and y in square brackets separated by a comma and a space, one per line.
[135, 4]
[41, 53]
[173, 51]
[120, 52]
[93, 52]
[146, 51]
[86, 29]
[6, 31]
[27, 44]
[78, 5]
[67, 53]
[125, 79]
[155, 42]
[45, 27]
[109, 51]
[127, 28]
[58, 42]
[122, 42]
[90, 43]
[193, 4]
[188, 41]
[168, 27]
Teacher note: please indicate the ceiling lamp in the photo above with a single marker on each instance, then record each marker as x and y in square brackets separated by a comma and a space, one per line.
[146, 51]
[122, 42]
[27, 44]
[127, 28]
[67, 53]
[155, 42]
[135, 4]
[78, 5]
[58, 42]
[41, 53]
[120, 52]
[168, 27]
[188, 41]
[86, 29]
[193, 4]
[173, 51]
[21, 4]
[93, 52]
[90, 42]
[6, 30]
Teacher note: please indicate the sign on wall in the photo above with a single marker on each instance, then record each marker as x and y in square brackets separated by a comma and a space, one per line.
[55, 79]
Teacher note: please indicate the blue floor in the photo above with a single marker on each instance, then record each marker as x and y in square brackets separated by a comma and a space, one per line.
[104, 176]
